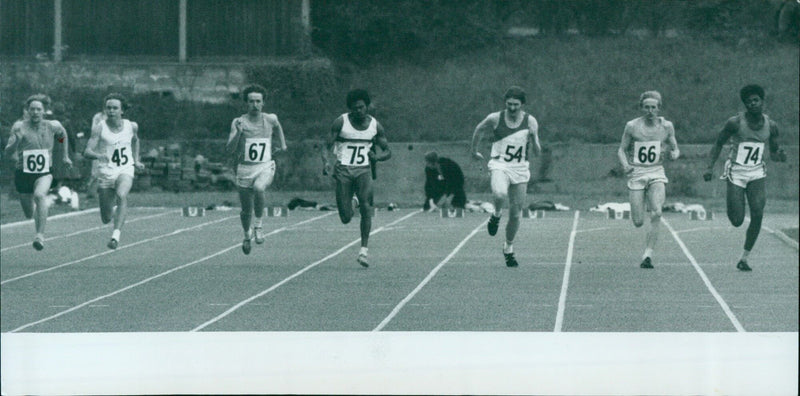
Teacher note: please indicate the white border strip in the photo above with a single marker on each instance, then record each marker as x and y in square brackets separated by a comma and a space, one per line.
[782, 236]
[296, 274]
[54, 217]
[562, 299]
[705, 279]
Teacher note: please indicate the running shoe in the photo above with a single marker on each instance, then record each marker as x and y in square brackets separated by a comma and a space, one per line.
[362, 260]
[742, 266]
[246, 246]
[112, 244]
[259, 235]
[646, 263]
[510, 260]
[494, 223]
[38, 243]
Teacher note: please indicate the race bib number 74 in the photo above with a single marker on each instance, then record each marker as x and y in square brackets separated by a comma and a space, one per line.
[257, 150]
[646, 153]
[750, 153]
[36, 161]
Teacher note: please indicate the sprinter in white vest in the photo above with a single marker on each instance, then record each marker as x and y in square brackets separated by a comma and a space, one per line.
[250, 145]
[645, 141]
[114, 145]
[352, 137]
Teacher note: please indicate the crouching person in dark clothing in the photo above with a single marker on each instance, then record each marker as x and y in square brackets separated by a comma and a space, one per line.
[444, 183]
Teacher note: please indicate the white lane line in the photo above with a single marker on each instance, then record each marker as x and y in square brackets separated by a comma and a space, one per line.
[701, 229]
[562, 298]
[178, 231]
[54, 217]
[427, 279]
[782, 236]
[298, 273]
[597, 229]
[90, 230]
[94, 300]
[705, 279]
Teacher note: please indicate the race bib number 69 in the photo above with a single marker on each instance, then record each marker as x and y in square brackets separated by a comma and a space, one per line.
[36, 161]
[646, 153]
[750, 153]
[257, 150]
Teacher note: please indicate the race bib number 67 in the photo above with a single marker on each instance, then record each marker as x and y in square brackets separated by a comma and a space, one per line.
[36, 161]
[750, 153]
[257, 150]
[646, 153]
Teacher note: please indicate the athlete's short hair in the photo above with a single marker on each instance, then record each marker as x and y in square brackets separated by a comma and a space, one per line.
[431, 157]
[355, 95]
[751, 89]
[254, 88]
[650, 95]
[516, 93]
[123, 102]
[39, 97]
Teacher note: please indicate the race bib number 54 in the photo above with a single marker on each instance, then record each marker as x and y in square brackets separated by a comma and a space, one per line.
[35, 161]
[257, 150]
[750, 153]
[646, 153]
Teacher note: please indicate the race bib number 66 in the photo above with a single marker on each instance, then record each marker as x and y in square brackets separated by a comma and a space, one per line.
[36, 161]
[646, 153]
[750, 153]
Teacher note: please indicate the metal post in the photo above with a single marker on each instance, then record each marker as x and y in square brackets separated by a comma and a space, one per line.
[182, 31]
[57, 54]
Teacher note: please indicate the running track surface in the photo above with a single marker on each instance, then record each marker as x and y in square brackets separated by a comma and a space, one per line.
[578, 273]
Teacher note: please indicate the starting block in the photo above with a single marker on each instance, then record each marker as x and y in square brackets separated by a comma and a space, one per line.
[532, 214]
[619, 214]
[451, 213]
[701, 215]
[193, 211]
[277, 211]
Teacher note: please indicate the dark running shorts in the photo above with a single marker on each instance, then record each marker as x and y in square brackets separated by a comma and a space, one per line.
[24, 182]
[347, 174]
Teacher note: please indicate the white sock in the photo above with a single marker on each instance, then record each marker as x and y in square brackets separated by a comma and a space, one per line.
[648, 252]
[247, 233]
[508, 248]
[115, 235]
[258, 222]
[498, 213]
[745, 253]
[363, 251]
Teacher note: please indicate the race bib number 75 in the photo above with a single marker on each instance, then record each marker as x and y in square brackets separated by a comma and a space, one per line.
[750, 153]
[257, 150]
[354, 154]
[36, 161]
[646, 153]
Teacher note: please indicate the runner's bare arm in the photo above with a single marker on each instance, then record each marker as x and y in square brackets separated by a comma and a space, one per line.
[534, 131]
[61, 137]
[673, 142]
[91, 145]
[233, 137]
[383, 143]
[483, 128]
[137, 162]
[336, 128]
[13, 141]
[622, 155]
[731, 127]
[279, 129]
[777, 154]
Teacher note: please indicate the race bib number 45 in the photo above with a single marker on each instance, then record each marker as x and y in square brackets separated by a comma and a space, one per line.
[120, 156]
[36, 161]
[646, 153]
[750, 153]
[257, 150]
